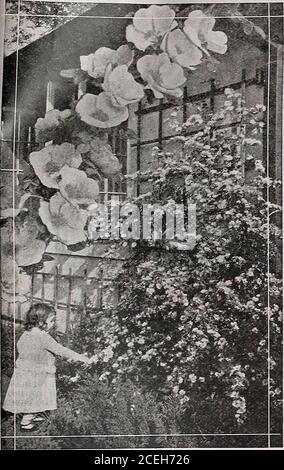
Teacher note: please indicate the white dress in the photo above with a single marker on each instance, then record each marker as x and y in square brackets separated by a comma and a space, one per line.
[32, 388]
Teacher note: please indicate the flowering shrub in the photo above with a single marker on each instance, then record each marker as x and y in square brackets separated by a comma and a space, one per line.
[195, 324]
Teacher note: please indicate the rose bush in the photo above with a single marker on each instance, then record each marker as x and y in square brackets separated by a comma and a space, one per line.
[191, 327]
[195, 324]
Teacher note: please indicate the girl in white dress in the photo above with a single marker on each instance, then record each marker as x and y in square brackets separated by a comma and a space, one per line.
[32, 388]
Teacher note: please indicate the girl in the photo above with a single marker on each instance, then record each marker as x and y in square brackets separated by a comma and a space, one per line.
[32, 388]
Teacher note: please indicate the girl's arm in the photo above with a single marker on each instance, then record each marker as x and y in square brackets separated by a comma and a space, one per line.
[51, 345]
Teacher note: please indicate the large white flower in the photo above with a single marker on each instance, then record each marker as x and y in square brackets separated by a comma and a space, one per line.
[76, 187]
[199, 28]
[64, 220]
[181, 49]
[29, 247]
[98, 111]
[162, 76]
[48, 162]
[120, 85]
[150, 25]
[95, 64]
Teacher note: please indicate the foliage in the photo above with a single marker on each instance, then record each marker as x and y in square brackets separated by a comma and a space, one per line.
[195, 324]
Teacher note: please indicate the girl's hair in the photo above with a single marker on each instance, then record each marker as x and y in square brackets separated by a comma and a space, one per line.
[37, 315]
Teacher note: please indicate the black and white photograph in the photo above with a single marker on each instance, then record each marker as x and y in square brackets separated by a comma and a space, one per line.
[141, 225]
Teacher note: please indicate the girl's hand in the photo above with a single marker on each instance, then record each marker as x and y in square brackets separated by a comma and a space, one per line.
[86, 360]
